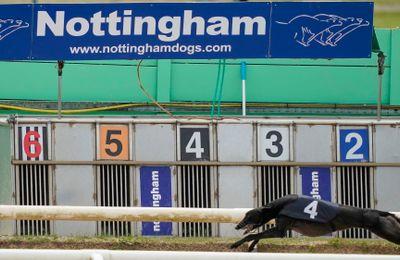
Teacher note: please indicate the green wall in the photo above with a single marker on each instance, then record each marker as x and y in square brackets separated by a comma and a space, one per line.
[340, 81]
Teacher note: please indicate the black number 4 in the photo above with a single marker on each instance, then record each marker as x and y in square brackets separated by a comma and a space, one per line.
[113, 141]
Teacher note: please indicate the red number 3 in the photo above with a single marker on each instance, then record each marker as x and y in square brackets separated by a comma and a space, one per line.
[37, 148]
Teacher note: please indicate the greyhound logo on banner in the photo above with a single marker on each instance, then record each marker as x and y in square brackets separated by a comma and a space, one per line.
[8, 26]
[324, 29]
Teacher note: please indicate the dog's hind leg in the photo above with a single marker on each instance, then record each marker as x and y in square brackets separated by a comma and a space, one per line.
[269, 233]
[388, 227]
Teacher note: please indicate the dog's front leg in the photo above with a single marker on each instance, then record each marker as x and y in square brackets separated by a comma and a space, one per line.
[253, 245]
[269, 233]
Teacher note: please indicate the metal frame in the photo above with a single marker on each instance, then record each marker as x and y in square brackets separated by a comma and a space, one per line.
[134, 165]
[201, 121]
[206, 163]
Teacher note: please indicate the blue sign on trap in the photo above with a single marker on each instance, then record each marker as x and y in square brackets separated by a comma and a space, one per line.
[354, 145]
[155, 191]
[316, 182]
[185, 30]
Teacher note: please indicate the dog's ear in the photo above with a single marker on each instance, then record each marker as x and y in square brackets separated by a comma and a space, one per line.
[267, 207]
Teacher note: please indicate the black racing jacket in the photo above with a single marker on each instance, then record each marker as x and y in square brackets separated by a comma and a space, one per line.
[310, 209]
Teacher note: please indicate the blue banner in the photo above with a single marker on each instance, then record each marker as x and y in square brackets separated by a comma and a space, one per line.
[316, 182]
[185, 30]
[155, 191]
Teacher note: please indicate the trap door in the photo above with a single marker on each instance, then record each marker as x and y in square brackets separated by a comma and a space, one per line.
[274, 182]
[33, 183]
[355, 188]
[114, 186]
[195, 188]
[355, 184]
[114, 182]
[274, 144]
[196, 184]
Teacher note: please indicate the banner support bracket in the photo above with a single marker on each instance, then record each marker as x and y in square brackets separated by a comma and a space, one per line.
[381, 70]
[60, 66]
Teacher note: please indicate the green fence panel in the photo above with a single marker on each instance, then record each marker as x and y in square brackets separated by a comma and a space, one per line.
[81, 82]
[395, 69]
[269, 80]
[283, 83]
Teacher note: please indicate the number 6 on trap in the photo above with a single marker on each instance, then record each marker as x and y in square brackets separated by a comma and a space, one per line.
[33, 142]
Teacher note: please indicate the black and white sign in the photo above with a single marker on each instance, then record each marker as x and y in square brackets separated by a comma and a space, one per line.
[273, 143]
[194, 144]
[32, 143]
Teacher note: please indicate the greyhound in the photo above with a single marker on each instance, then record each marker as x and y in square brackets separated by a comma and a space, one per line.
[313, 217]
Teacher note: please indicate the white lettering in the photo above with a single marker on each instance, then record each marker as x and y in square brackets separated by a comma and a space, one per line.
[189, 21]
[97, 20]
[155, 191]
[315, 184]
[248, 25]
[171, 32]
[113, 20]
[127, 23]
[156, 196]
[81, 23]
[157, 226]
[139, 23]
[167, 28]
[44, 20]
[219, 26]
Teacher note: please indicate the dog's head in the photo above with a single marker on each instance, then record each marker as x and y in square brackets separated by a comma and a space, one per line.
[254, 219]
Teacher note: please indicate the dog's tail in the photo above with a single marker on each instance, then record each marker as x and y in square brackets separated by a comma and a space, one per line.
[397, 216]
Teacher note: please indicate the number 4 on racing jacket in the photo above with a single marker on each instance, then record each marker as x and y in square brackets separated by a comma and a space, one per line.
[312, 217]
[310, 209]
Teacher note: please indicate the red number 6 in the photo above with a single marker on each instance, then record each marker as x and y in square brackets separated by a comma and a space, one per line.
[35, 143]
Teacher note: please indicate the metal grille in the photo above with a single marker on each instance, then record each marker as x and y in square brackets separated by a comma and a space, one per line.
[114, 189]
[355, 188]
[33, 188]
[195, 190]
[273, 182]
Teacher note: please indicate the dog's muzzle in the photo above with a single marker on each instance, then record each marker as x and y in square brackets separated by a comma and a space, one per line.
[248, 227]
[240, 225]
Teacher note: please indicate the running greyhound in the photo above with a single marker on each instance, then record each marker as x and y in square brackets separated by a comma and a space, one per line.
[313, 217]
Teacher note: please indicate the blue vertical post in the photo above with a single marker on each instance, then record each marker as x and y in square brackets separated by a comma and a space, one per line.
[243, 76]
